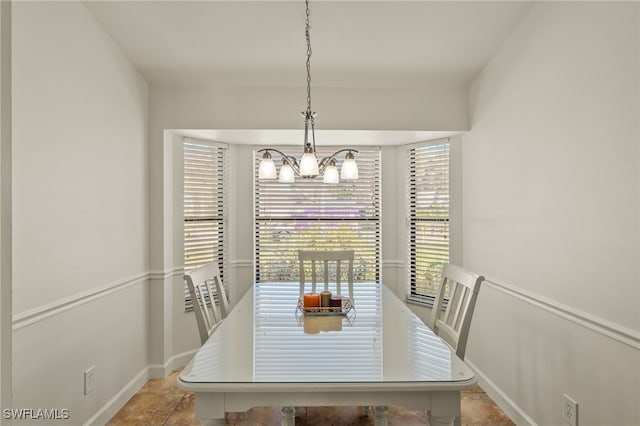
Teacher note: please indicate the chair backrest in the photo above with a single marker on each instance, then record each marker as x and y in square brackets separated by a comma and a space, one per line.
[323, 257]
[223, 299]
[204, 284]
[451, 316]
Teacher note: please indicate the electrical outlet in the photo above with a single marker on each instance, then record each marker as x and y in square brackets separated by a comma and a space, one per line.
[89, 380]
[569, 410]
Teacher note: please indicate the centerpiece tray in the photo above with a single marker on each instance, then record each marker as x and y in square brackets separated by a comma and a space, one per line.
[347, 306]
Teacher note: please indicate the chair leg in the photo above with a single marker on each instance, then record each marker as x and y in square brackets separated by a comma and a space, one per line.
[435, 421]
[288, 416]
[380, 418]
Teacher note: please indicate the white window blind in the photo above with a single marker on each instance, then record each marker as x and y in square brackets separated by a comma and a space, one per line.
[205, 166]
[428, 169]
[310, 214]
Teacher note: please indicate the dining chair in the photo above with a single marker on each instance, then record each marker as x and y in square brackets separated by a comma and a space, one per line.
[324, 257]
[452, 311]
[317, 258]
[204, 285]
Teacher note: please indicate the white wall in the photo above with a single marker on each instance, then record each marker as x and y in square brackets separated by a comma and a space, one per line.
[80, 236]
[550, 211]
[438, 108]
[5, 206]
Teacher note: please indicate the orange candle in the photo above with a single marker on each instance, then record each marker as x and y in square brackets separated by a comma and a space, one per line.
[311, 300]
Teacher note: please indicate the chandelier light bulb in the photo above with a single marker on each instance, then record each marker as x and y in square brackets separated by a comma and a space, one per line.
[309, 163]
[349, 170]
[331, 173]
[267, 167]
[286, 174]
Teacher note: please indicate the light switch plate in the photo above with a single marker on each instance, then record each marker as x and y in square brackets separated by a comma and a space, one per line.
[569, 410]
[89, 380]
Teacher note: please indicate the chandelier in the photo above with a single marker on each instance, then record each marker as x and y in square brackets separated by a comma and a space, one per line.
[308, 167]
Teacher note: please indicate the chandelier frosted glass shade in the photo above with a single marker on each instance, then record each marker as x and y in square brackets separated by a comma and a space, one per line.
[267, 167]
[309, 163]
[349, 170]
[286, 174]
[331, 173]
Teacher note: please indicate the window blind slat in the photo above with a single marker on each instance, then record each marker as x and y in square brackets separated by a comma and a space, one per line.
[428, 211]
[310, 214]
[205, 166]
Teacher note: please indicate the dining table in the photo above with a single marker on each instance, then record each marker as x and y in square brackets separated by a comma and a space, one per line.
[375, 353]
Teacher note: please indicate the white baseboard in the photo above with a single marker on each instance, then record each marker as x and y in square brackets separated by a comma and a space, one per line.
[126, 393]
[119, 400]
[157, 371]
[501, 399]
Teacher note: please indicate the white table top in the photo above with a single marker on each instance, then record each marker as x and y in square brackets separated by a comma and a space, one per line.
[265, 340]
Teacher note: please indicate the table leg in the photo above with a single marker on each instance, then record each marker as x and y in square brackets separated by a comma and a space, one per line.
[380, 413]
[434, 421]
[209, 408]
[445, 408]
[288, 416]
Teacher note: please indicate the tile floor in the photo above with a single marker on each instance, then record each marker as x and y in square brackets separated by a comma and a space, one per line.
[161, 403]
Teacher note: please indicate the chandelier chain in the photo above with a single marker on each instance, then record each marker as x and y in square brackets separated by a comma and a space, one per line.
[308, 37]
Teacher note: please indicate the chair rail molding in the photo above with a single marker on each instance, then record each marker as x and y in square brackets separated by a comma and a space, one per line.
[242, 263]
[40, 313]
[599, 325]
[393, 264]
[163, 275]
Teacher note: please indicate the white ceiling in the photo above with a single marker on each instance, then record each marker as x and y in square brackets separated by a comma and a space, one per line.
[355, 43]
[382, 44]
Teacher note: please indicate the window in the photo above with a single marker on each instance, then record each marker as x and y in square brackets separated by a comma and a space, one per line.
[310, 214]
[428, 217]
[205, 165]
